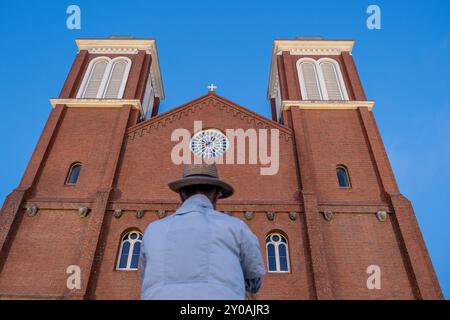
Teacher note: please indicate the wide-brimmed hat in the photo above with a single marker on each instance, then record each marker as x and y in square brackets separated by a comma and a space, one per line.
[201, 174]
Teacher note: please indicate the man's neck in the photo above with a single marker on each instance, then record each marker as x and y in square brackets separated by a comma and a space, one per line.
[201, 198]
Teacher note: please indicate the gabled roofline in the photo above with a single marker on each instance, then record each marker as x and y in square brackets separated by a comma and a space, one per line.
[227, 102]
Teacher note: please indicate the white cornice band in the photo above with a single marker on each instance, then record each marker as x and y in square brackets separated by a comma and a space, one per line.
[114, 50]
[313, 52]
[327, 105]
[97, 103]
[115, 44]
[314, 45]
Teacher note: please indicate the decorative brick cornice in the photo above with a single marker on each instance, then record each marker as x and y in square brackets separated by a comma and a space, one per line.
[122, 50]
[116, 45]
[313, 52]
[209, 100]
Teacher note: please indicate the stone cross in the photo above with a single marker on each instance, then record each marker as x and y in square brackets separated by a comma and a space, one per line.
[212, 87]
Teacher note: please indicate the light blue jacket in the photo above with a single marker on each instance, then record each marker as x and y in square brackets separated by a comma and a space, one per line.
[198, 253]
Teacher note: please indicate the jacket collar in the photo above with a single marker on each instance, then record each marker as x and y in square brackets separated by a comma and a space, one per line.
[195, 203]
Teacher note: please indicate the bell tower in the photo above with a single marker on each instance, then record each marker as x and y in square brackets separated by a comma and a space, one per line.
[355, 215]
[60, 203]
[117, 70]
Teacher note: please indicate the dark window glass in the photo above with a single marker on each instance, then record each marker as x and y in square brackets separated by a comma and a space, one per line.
[74, 172]
[133, 236]
[135, 257]
[283, 257]
[134, 261]
[137, 248]
[343, 178]
[271, 257]
[124, 255]
[272, 264]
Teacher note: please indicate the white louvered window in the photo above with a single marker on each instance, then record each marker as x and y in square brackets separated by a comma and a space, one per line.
[105, 78]
[331, 81]
[321, 80]
[117, 80]
[95, 78]
[310, 81]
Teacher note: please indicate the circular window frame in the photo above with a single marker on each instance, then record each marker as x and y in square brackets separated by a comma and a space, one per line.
[209, 153]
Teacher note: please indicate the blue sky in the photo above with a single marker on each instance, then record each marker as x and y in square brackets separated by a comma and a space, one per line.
[404, 67]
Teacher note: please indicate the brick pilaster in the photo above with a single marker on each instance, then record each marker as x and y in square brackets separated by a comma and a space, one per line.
[423, 277]
[74, 76]
[320, 273]
[91, 249]
[10, 214]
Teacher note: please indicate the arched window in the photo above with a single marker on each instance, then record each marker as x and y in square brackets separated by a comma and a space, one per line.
[309, 80]
[130, 248]
[332, 80]
[120, 68]
[105, 78]
[74, 172]
[343, 178]
[277, 253]
[93, 79]
[321, 79]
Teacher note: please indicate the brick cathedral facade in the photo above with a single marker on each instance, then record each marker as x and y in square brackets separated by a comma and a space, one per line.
[106, 125]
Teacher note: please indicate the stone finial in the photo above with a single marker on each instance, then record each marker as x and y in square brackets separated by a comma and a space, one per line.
[293, 215]
[328, 215]
[83, 212]
[270, 215]
[118, 213]
[249, 215]
[381, 215]
[140, 214]
[31, 210]
[161, 214]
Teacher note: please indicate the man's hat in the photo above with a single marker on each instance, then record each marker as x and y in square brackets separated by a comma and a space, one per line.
[201, 174]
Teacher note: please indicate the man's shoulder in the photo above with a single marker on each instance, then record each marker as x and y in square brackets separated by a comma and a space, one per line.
[228, 218]
[157, 224]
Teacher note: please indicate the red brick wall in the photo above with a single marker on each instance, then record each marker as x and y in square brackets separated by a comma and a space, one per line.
[354, 242]
[337, 138]
[119, 284]
[43, 248]
[147, 166]
[116, 284]
[84, 136]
